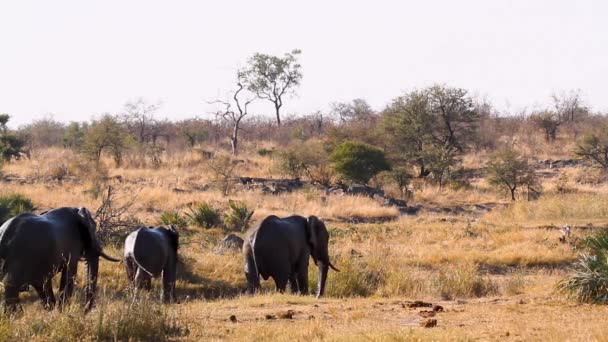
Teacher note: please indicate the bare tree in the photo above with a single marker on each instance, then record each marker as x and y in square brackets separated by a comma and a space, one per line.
[569, 106]
[140, 119]
[234, 116]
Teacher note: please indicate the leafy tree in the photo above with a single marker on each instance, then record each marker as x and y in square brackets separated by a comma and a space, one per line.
[594, 147]
[11, 146]
[272, 78]
[549, 122]
[509, 169]
[357, 161]
[439, 119]
[194, 131]
[106, 134]
[439, 163]
[74, 134]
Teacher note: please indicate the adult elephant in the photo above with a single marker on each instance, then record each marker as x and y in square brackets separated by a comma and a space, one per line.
[150, 251]
[33, 248]
[280, 248]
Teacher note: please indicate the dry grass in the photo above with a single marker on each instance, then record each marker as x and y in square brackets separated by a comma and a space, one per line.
[479, 268]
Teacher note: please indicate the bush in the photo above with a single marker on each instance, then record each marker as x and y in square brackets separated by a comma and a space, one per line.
[173, 217]
[204, 215]
[589, 280]
[357, 161]
[308, 159]
[223, 168]
[510, 170]
[238, 216]
[14, 204]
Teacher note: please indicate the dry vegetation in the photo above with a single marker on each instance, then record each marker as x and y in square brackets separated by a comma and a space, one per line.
[493, 272]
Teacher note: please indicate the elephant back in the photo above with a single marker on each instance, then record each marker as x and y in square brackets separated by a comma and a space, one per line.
[150, 249]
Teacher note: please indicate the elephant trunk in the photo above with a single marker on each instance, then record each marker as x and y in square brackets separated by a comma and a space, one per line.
[91, 290]
[323, 268]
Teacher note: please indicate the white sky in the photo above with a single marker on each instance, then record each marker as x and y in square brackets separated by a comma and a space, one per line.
[76, 59]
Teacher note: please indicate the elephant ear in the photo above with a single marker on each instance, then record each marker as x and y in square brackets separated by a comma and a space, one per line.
[88, 234]
[313, 236]
[173, 236]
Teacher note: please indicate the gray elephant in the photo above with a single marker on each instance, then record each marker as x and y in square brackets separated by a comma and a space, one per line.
[33, 248]
[280, 248]
[150, 251]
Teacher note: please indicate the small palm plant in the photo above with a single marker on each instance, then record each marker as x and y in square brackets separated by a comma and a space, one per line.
[589, 281]
[238, 216]
[13, 205]
[204, 215]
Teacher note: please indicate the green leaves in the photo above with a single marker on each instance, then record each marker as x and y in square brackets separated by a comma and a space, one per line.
[589, 281]
[509, 169]
[358, 162]
[14, 204]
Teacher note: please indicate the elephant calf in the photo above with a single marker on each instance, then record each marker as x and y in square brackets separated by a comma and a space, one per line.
[280, 248]
[150, 251]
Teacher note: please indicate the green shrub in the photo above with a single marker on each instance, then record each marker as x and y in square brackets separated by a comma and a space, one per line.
[589, 281]
[173, 217]
[266, 152]
[13, 205]
[358, 161]
[204, 215]
[238, 216]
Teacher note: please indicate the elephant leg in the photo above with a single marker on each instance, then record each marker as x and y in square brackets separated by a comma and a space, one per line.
[47, 288]
[293, 283]
[66, 284]
[11, 299]
[302, 275]
[143, 280]
[281, 282]
[168, 295]
[42, 295]
[131, 269]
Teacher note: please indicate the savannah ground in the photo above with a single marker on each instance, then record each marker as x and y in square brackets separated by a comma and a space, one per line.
[493, 272]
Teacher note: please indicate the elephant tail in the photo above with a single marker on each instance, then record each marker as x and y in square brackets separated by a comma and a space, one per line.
[143, 268]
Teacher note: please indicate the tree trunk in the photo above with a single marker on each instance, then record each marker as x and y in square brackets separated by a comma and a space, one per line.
[277, 108]
[234, 140]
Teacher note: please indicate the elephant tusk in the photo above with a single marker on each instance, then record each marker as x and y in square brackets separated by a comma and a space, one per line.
[109, 258]
[333, 267]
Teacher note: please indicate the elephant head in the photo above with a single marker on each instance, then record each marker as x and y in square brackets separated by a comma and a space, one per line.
[92, 251]
[318, 239]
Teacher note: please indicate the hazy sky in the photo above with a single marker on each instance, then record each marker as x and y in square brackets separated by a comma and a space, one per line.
[75, 59]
